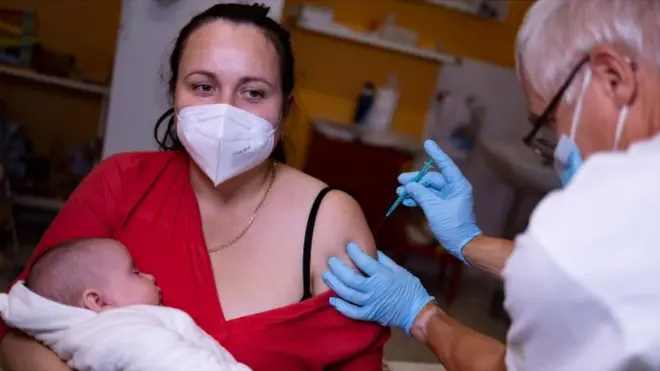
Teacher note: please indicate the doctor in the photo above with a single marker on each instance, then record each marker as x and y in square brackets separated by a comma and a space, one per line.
[582, 283]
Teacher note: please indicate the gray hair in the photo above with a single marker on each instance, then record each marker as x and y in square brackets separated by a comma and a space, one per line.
[556, 34]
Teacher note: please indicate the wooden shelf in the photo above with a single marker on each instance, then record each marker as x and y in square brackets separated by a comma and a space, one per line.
[473, 7]
[342, 32]
[53, 80]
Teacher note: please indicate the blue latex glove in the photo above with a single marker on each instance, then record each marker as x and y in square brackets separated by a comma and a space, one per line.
[386, 293]
[446, 198]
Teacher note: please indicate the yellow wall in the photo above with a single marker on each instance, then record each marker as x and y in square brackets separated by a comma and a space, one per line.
[87, 29]
[331, 71]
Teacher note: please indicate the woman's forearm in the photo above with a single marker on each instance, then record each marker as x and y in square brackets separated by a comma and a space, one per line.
[457, 347]
[488, 254]
[21, 353]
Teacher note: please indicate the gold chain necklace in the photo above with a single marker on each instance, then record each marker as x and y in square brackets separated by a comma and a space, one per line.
[253, 217]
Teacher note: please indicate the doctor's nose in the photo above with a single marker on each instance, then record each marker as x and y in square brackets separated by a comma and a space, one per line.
[149, 277]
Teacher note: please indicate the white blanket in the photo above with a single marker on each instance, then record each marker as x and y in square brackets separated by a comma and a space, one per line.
[134, 338]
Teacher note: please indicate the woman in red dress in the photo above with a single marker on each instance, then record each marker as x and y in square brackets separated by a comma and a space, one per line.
[234, 237]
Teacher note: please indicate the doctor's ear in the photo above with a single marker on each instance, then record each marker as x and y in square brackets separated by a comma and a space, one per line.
[93, 300]
[616, 71]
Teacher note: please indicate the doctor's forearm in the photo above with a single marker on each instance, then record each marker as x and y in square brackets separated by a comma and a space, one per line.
[488, 254]
[457, 347]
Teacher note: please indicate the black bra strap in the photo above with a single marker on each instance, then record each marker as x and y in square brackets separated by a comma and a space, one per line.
[307, 246]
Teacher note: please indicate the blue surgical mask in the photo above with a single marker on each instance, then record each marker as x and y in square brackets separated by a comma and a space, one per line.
[568, 159]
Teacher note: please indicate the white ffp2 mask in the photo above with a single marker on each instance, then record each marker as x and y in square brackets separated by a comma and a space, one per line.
[224, 141]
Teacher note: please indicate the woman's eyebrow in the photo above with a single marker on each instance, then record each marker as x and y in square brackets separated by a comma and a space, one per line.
[208, 74]
[243, 80]
[249, 79]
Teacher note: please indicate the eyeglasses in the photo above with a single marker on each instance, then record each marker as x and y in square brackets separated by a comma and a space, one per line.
[549, 112]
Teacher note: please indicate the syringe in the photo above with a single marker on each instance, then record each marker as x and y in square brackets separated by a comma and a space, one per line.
[427, 165]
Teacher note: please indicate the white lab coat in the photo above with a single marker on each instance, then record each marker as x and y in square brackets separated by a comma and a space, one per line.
[583, 284]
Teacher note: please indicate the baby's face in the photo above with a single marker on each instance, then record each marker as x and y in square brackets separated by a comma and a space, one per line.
[126, 285]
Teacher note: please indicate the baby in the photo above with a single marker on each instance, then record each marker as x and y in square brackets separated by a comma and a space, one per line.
[97, 274]
[86, 300]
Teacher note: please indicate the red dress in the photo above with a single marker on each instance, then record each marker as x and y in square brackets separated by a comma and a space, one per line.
[145, 200]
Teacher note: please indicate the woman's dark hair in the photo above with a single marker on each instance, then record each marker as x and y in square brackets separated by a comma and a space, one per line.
[256, 15]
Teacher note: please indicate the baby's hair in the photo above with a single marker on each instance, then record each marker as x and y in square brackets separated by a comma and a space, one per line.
[66, 270]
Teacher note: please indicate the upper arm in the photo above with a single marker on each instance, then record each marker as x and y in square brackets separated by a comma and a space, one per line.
[583, 319]
[340, 220]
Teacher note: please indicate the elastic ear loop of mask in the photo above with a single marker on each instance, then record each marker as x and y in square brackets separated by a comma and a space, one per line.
[578, 107]
[623, 115]
[619, 126]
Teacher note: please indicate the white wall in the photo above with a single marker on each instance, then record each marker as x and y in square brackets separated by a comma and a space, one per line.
[138, 94]
[498, 89]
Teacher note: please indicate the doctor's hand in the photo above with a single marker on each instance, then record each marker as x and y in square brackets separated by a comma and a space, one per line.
[386, 293]
[446, 198]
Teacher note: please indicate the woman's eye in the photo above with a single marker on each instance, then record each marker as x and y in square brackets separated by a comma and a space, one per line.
[204, 88]
[254, 94]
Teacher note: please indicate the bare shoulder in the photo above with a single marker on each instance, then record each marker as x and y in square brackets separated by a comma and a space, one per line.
[340, 220]
[294, 179]
[341, 216]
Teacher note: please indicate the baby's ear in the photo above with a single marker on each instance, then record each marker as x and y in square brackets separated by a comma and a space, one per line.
[93, 300]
